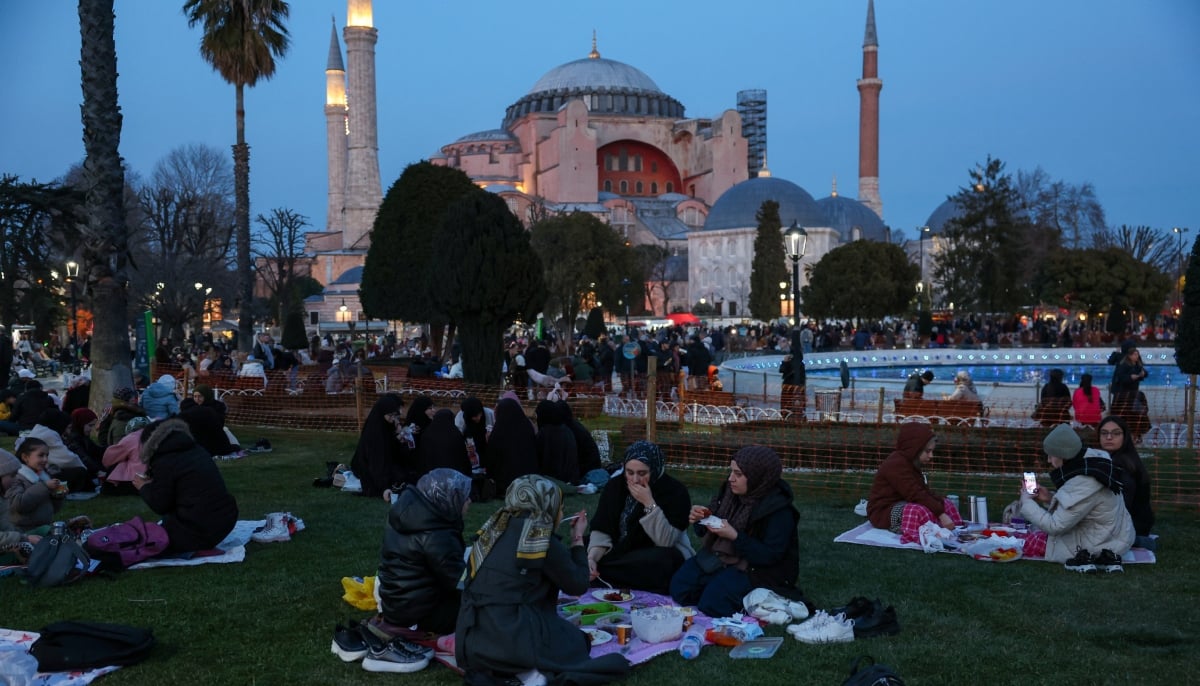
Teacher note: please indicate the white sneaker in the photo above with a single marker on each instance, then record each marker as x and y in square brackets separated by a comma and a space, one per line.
[836, 629]
[861, 508]
[275, 530]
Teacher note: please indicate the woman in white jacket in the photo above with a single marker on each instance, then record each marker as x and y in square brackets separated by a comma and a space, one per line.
[1084, 524]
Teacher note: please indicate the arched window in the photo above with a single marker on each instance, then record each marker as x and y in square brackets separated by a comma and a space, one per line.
[670, 187]
[624, 187]
[653, 188]
[638, 187]
[608, 185]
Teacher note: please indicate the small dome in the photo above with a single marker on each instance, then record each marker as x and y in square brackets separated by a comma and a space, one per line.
[489, 135]
[845, 214]
[589, 74]
[350, 277]
[944, 213]
[737, 207]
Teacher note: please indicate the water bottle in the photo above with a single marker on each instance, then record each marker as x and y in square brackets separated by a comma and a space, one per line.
[689, 646]
[58, 528]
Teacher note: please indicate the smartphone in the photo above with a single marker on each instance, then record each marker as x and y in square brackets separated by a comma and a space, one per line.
[1030, 483]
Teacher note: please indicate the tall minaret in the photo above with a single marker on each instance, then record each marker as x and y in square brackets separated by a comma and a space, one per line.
[363, 192]
[868, 118]
[335, 132]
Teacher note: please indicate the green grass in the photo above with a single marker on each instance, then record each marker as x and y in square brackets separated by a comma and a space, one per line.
[268, 620]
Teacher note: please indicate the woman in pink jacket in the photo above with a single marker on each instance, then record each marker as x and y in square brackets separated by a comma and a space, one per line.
[1088, 404]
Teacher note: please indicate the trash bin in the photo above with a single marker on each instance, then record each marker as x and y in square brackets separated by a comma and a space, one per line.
[829, 404]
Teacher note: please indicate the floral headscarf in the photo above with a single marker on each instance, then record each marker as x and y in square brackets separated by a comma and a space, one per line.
[540, 501]
[447, 490]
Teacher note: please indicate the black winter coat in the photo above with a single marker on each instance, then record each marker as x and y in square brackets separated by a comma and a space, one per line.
[187, 489]
[421, 560]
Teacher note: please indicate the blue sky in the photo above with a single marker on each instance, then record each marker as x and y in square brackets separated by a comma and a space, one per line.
[1093, 91]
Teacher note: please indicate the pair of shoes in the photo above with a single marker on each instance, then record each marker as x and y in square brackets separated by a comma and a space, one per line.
[1108, 561]
[823, 628]
[279, 527]
[857, 607]
[881, 622]
[1082, 562]
[397, 656]
[348, 642]
[262, 445]
[861, 508]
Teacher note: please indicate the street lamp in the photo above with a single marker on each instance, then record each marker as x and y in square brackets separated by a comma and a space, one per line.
[796, 240]
[925, 232]
[72, 274]
[1179, 231]
[625, 285]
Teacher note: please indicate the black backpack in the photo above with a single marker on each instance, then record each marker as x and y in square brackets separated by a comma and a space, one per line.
[871, 674]
[71, 646]
[57, 559]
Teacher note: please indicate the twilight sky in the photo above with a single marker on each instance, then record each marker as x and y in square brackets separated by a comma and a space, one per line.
[1095, 91]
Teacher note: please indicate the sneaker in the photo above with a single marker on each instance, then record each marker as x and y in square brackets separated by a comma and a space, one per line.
[274, 530]
[397, 656]
[1108, 561]
[861, 508]
[858, 607]
[827, 629]
[585, 489]
[883, 622]
[1082, 562]
[348, 642]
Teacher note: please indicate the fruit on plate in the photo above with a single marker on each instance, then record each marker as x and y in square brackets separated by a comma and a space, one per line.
[1004, 554]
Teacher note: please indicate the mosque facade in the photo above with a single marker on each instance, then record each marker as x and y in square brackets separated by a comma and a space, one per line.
[599, 136]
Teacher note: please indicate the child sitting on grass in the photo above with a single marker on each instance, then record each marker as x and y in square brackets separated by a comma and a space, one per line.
[15, 546]
[33, 497]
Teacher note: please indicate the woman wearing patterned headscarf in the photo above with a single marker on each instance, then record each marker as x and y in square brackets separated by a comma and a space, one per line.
[422, 556]
[509, 623]
[639, 534]
[755, 545]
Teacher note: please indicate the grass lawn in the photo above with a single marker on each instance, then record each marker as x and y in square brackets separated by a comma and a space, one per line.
[269, 619]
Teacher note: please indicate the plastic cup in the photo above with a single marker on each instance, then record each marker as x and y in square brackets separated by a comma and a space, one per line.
[623, 632]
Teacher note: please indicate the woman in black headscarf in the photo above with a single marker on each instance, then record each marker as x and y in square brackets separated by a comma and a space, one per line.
[587, 452]
[639, 533]
[384, 457]
[557, 452]
[475, 422]
[442, 445]
[754, 545]
[419, 416]
[512, 447]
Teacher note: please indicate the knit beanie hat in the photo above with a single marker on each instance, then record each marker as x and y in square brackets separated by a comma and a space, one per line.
[124, 394]
[1063, 443]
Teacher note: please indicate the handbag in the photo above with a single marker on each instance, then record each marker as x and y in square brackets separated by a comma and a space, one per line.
[871, 674]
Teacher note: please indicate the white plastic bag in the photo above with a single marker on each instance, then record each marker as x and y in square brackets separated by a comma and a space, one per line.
[932, 537]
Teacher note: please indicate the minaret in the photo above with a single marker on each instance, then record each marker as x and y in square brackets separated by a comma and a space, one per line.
[363, 192]
[335, 132]
[868, 118]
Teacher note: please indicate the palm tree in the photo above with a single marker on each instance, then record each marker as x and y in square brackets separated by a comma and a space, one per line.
[106, 236]
[241, 40]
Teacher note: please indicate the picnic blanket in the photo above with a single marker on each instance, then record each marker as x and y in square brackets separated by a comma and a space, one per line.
[19, 668]
[232, 549]
[865, 534]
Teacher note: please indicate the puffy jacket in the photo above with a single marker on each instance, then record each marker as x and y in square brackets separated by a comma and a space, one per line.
[187, 489]
[421, 560]
[1083, 514]
[159, 400]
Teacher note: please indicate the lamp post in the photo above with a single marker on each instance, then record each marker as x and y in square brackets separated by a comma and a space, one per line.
[344, 315]
[1179, 231]
[72, 274]
[625, 285]
[796, 241]
[925, 232]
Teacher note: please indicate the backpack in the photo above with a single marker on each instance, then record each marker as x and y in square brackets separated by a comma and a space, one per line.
[871, 674]
[124, 544]
[73, 646]
[57, 559]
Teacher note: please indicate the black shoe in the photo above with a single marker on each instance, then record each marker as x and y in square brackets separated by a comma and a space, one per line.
[1082, 562]
[348, 643]
[858, 607]
[880, 623]
[1108, 561]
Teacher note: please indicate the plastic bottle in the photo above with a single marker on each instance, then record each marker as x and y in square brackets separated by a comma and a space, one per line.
[689, 645]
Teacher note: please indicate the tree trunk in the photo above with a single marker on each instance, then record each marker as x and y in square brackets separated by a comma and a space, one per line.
[104, 182]
[483, 352]
[241, 200]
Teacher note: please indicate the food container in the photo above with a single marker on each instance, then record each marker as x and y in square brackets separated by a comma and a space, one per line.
[589, 612]
[996, 549]
[657, 624]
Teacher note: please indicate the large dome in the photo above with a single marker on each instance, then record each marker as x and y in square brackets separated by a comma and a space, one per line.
[944, 213]
[846, 214]
[737, 207]
[605, 87]
[592, 74]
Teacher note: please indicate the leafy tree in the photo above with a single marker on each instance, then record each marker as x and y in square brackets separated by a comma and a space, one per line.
[768, 267]
[488, 276]
[865, 279]
[398, 278]
[1187, 338]
[1098, 280]
[105, 233]
[595, 323]
[279, 253]
[985, 264]
[580, 254]
[294, 335]
[651, 261]
[37, 222]
[241, 40]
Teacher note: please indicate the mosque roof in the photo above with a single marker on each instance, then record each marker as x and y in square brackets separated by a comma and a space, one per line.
[737, 207]
[945, 212]
[352, 276]
[593, 73]
[845, 214]
[334, 63]
[489, 135]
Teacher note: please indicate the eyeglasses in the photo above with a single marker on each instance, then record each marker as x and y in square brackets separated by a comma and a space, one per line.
[1112, 434]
